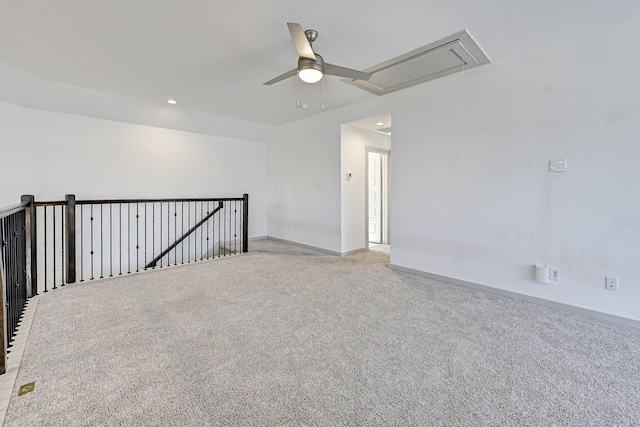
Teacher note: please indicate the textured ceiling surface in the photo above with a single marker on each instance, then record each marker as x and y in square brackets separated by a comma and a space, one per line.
[213, 56]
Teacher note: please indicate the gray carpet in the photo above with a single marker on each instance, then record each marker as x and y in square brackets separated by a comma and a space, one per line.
[284, 336]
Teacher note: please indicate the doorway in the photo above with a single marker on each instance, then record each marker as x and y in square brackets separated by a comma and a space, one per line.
[357, 139]
[377, 198]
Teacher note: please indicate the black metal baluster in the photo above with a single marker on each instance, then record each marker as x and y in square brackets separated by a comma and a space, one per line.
[101, 242]
[11, 277]
[153, 229]
[110, 239]
[8, 260]
[160, 234]
[62, 234]
[168, 232]
[216, 205]
[219, 235]
[207, 245]
[3, 253]
[81, 243]
[128, 237]
[46, 259]
[201, 216]
[120, 237]
[189, 241]
[224, 231]
[145, 235]
[137, 237]
[182, 231]
[235, 227]
[54, 247]
[91, 219]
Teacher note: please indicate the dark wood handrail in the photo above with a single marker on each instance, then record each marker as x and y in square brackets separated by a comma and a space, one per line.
[115, 201]
[9, 210]
[184, 236]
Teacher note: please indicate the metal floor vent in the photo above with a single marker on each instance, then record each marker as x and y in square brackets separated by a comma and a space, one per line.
[452, 54]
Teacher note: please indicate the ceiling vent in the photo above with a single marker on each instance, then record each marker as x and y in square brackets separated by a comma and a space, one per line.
[386, 131]
[452, 54]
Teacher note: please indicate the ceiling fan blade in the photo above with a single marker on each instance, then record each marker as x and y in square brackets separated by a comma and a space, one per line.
[300, 40]
[336, 70]
[282, 77]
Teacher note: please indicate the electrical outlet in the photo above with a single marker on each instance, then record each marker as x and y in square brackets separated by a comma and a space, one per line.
[554, 274]
[611, 283]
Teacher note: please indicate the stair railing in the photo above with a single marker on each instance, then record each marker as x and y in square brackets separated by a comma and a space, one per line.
[80, 240]
[46, 244]
[15, 279]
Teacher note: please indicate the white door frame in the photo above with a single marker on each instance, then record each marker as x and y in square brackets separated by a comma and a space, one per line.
[386, 189]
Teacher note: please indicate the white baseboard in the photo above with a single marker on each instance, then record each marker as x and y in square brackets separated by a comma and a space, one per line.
[355, 251]
[325, 251]
[540, 301]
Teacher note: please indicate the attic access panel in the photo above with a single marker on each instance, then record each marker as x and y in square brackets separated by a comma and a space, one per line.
[452, 54]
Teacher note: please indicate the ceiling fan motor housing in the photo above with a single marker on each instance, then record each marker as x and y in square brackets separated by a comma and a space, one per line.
[308, 63]
[312, 35]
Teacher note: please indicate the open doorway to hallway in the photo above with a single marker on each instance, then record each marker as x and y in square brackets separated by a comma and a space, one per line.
[377, 198]
[365, 216]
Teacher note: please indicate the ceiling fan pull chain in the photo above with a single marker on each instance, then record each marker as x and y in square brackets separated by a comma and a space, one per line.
[297, 91]
[323, 92]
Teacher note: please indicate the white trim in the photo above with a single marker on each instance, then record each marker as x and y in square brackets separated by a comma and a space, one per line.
[528, 298]
[302, 245]
[314, 248]
[355, 251]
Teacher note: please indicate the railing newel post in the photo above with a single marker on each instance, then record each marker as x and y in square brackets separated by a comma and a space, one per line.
[31, 241]
[70, 237]
[245, 223]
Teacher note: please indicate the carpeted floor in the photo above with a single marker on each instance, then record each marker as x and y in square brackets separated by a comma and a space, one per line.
[284, 336]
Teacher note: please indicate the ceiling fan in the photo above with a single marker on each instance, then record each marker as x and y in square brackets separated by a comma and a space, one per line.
[311, 66]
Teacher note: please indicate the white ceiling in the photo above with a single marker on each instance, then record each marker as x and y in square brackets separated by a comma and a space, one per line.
[213, 56]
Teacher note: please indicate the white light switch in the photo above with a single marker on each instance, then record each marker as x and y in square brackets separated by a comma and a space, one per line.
[557, 165]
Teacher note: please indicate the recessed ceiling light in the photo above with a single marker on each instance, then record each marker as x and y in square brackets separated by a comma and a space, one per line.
[172, 101]
[380, 124]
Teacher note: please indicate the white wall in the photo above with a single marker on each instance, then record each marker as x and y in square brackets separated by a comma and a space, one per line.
[50, 154]
[304, 184]
[354, 142]
[470, 192]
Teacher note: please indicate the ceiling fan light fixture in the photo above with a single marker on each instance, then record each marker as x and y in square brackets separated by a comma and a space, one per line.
[311, 70]
[310, 75]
